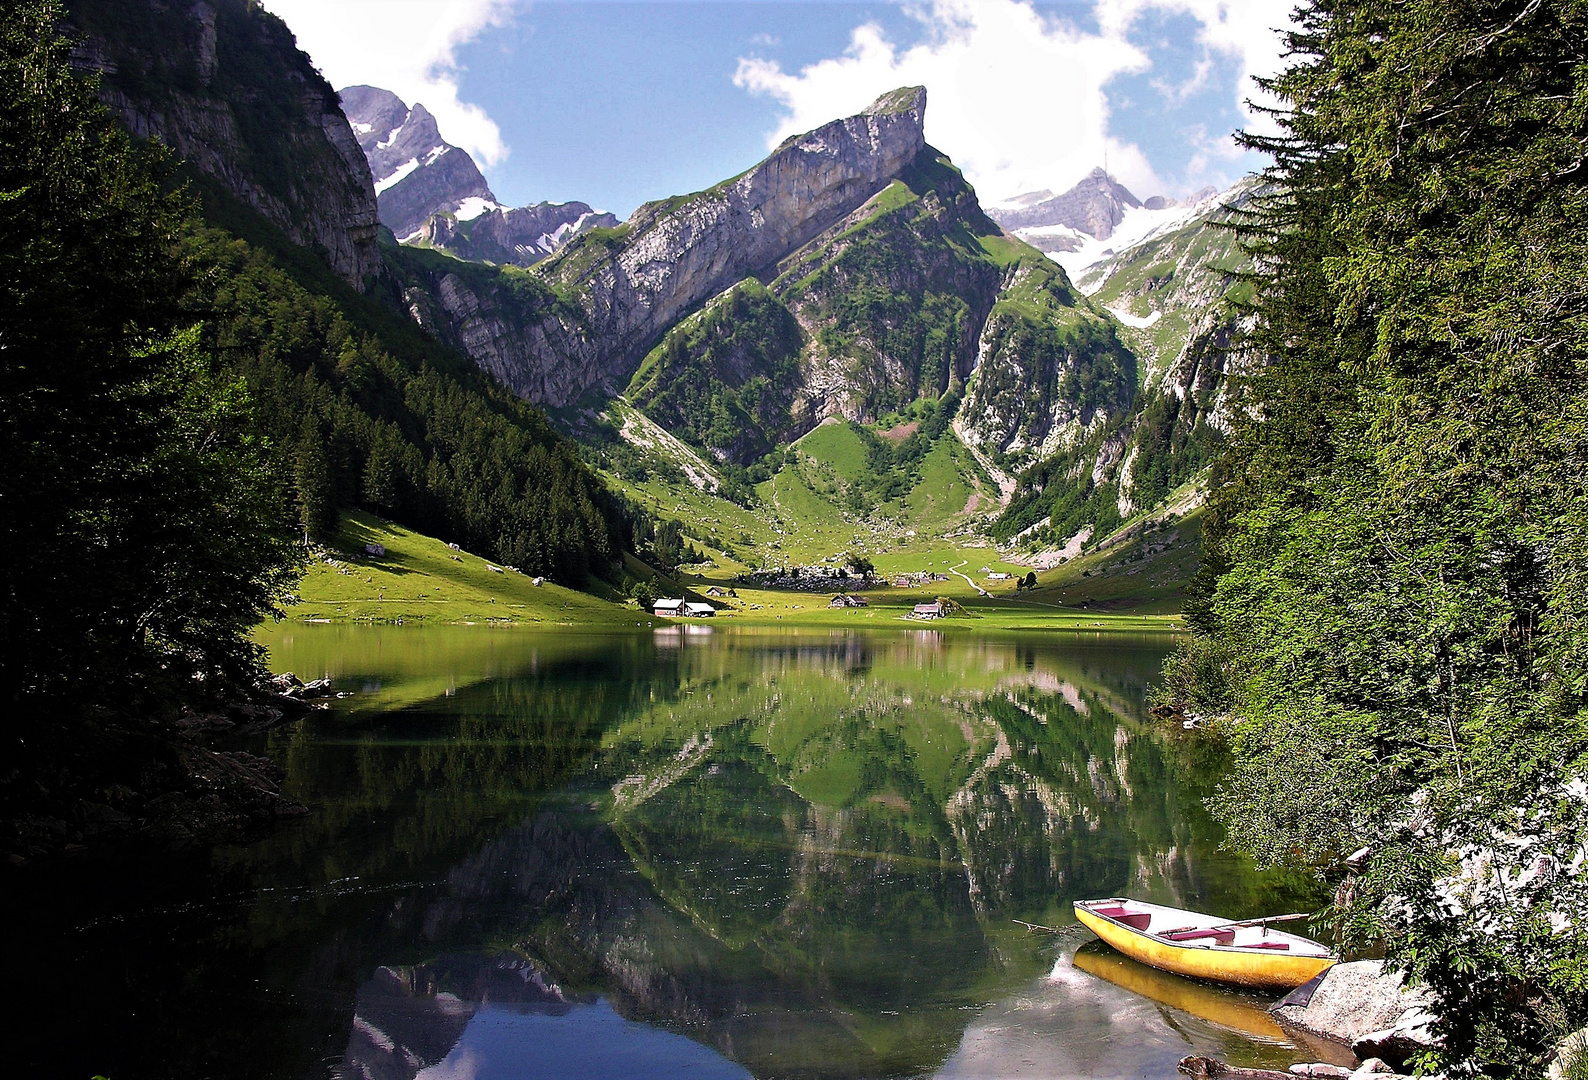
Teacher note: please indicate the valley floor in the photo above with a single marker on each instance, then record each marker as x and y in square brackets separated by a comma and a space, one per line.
[422, 579]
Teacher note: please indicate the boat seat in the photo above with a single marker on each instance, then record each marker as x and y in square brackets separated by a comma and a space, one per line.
[1220, 937]
[1133, 919]
[1267, 945]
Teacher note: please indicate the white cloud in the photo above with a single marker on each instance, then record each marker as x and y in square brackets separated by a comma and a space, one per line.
[1018, 100]
[1242, 29]
[409, 47]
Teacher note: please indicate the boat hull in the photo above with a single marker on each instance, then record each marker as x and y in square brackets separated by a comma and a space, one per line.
[1260, 971]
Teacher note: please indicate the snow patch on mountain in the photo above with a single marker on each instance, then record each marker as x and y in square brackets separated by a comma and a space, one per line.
[397, 177]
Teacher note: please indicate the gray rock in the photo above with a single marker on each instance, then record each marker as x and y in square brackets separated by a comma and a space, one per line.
[1096, 205]
[1573, 1049]
[1410, 1035]
[310, 181]
[424, 182]
[631, 285]
[1371, 1067]
[1355, 1000]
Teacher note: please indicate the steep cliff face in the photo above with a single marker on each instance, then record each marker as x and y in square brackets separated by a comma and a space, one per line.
[891, 303]
[634, 282]
[1053, 370]
[223, 84]
[1169, 292]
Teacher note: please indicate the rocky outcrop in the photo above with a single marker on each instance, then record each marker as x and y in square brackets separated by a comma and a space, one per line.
[1095, 205]
[522, 236]
[417, 173]
[223, 84]
[1367, 1008]
[671, 256]
[433, 194]
[1044, 384]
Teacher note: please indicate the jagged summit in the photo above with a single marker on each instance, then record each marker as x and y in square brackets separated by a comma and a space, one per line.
[431, 192]
[906, 99]
[417, 173]
[1094, 206]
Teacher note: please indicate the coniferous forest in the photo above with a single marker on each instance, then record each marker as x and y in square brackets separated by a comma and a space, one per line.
[184, 407]
[1393, 604]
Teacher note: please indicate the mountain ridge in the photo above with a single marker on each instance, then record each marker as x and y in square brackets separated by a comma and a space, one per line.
[432, 193]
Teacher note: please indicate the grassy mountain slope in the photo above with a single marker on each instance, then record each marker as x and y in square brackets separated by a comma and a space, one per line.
[421, 579]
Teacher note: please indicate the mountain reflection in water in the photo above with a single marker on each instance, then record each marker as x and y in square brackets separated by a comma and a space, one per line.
[725, 854]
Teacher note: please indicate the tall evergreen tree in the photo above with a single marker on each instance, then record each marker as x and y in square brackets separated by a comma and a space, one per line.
[141, 523]
[1395, 611]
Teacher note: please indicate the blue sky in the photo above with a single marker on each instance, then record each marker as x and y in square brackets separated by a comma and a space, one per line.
[613, 103]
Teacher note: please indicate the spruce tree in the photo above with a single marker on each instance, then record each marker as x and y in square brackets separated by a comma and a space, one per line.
[1395, 600]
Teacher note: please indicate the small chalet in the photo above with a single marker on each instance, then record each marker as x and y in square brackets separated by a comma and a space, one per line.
[999, 575]
[845, 600]
[934, 610]
[714, 591]
[669, 607]
[698, 611]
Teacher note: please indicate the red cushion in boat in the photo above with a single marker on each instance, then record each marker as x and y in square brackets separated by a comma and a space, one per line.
[1135, 922]
[1111, 912]
[1267, 945]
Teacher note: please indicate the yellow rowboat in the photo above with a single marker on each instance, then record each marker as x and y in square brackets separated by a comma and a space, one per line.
[1247, 953]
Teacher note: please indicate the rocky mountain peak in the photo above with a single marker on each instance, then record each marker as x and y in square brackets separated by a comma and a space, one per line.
[1095, 206]
[432, 192]
[417, 173]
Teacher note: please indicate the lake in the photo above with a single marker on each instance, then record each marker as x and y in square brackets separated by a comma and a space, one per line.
[694, 852]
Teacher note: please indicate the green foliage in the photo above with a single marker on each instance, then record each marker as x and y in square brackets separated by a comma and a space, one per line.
[142, 521]
[725, 378]
[1057, 498]
[644, 593]
[402, 425]
[899, 298]
[1397, 545]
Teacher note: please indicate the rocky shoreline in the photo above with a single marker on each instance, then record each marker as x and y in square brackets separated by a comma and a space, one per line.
[128, 780]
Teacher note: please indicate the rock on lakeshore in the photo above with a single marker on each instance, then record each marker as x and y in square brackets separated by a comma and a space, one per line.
[1368, 1009]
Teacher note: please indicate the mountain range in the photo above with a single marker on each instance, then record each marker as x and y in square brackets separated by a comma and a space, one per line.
[851, 282]
[432, 193]
[853, 273]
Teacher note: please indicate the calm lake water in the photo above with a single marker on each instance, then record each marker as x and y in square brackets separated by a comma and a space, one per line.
[690, 853]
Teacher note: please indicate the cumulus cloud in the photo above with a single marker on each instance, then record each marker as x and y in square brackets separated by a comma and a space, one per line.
[1246, 30]
[1018, 99]
[409, 47]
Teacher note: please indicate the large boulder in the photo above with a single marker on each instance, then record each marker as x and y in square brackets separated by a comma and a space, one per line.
[1573, 1049]
[1367, 1008]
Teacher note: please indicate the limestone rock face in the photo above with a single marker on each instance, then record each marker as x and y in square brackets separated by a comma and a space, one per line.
[522, 235]
[432, 193]
[674, 254]
[1095, 205]
[612, 294]
[417, 173]
[191, 76]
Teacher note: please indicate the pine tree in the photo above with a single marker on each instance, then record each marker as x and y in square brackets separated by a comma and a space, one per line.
[315, 486]
[1395, 588]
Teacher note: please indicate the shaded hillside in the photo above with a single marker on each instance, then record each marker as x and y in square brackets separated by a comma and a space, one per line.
[358, 404]
[223, 84]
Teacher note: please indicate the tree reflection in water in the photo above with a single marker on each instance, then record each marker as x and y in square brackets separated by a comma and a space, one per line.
[787, 854]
